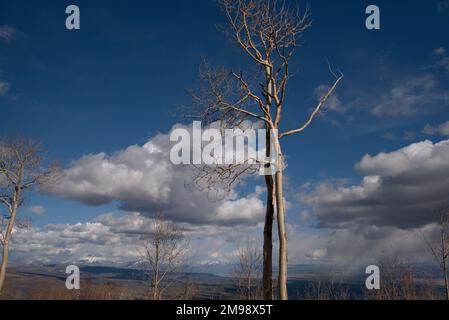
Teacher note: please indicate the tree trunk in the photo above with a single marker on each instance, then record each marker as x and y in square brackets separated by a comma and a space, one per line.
[446, 280]
[155, 289]
[6, 240]
[267, 276]
[283, 245]
[156, 275]
[4, 264]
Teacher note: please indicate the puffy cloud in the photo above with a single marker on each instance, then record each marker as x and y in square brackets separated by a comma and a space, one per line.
[143, 179]
[37, 210]
[357, 246]
[241, 209]
[442, 129]
[116, 239]
[317, 254]
[82, 242]
[399, 189]
[364, 245]
[8, 33]
[411, 97]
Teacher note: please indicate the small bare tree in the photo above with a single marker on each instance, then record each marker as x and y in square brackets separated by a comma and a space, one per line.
[164, 253]
[248, 271]
[439, 246]
[397, 280]
[21, 168]
[326, 290]
[267, 33]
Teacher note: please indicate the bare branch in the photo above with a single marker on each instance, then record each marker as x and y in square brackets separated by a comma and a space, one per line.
[7, 202]
[317, 109]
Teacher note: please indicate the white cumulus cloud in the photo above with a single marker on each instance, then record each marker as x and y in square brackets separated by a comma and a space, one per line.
[400, 189]
[143, 179]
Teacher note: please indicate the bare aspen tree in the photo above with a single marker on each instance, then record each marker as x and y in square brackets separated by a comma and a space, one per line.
[21, 168]
[439, 246]
[267, 32]
[248, 271]
[164, 253]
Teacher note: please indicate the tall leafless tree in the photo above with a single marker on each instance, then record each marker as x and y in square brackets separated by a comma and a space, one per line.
[22, 167]
[268, 33]
[164, 253]
[439, 246]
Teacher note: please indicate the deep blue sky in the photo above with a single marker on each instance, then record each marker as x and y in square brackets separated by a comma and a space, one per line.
[117, 81]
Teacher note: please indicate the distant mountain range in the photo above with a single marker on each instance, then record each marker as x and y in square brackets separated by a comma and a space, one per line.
[213, 281]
